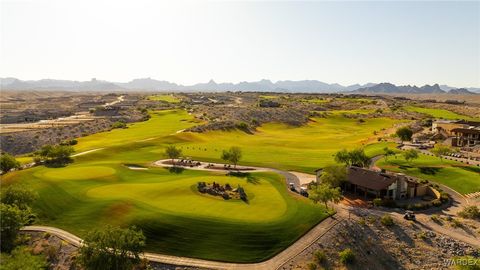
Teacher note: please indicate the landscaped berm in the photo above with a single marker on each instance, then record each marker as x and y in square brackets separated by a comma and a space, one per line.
[117, 184]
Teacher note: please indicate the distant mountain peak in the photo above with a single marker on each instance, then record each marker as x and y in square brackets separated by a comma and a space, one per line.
[149, 84]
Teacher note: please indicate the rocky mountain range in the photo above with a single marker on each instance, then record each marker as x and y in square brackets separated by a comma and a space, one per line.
[148, 84]
[388, 88]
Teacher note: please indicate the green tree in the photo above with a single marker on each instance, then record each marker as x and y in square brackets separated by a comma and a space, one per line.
[325, 193]
[18, 195]
[404, 133]
[355, 157]
[410, 154]
[235, 155]
[359, 158]
[173, 152]
[343, 156]
[334, 175]
[119, 124]
[112, 248]
[226, 156]
[388, 152]
[8, 162]
[11, 222]
[55, 155]
[22, 258]
[441, 150]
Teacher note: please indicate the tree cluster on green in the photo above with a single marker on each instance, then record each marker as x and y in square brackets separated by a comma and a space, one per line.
[119, 124]
[404, 133]
[22, 258]
[112, 248]
[8, 162]
[410, 154]
[441, 150]
[15, 212]
[56, 155]
[173, 152]
[355, 157]
[334, 175]
[233, 155]
[388, 152]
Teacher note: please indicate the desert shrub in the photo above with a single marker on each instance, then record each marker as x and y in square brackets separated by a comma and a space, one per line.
[387, 220]
[437, 202]
[242, 126]
[471, 212]
[311, 266]
[455, 223]
[346, 256]
[371, 219]
[119, 124]
[377, 202]
[362, 221]
[444, 196]
[435, 218]
[320, 256]
[422, 235]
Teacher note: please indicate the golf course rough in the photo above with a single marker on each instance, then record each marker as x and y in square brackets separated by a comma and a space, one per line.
[99, 188]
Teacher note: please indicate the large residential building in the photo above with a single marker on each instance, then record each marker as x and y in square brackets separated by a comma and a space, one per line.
[374, 184]
[463, 133]
[466, 137]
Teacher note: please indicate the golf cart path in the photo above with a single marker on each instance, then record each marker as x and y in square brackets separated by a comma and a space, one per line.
[296, 178]
[86, 152]
[273, 263]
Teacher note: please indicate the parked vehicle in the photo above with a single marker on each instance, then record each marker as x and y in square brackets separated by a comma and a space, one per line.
[292, 187]
[409, 215]
[304, 191]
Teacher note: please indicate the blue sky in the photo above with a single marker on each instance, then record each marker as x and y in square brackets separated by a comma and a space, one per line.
[190, 42]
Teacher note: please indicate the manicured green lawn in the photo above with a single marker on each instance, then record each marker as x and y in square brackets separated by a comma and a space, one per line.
[346, 112]
[175, 217]
[97, 189]
[280, 146]
[316, 100]
[269, 96]
[461, 177]
[439, 113]
[167, 98]
[162, 123]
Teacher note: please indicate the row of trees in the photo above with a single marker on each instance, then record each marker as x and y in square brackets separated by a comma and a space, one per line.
[8, 162]
[232, 155]
[54, 155]
[355, 157]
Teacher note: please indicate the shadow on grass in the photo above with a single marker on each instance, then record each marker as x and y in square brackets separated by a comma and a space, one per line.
[471, 169]
[250, 178]
[429, 170]
[177, 170]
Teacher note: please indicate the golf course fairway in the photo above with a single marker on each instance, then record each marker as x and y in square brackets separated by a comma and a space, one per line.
[99, 188]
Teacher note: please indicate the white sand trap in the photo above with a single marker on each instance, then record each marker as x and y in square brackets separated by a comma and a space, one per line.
[131, 167]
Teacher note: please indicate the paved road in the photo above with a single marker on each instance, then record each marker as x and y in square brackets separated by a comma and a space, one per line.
[274, 263]
[289, 177]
